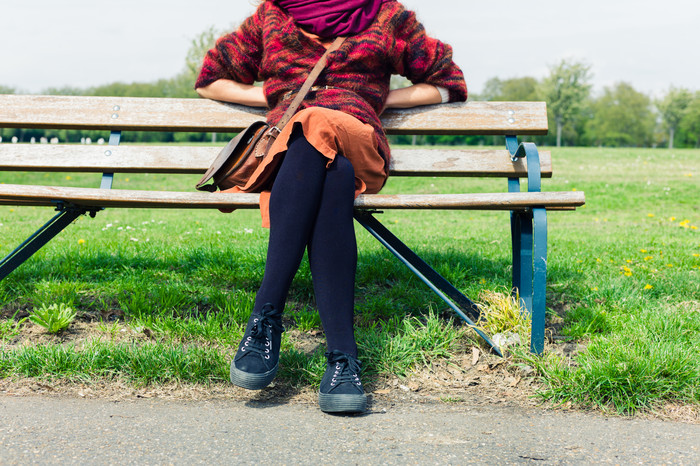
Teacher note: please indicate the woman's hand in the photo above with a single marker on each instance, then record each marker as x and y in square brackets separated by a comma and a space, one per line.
[231, 91]
[413, 96]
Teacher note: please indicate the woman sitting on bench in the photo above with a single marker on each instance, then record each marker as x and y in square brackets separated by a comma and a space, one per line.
[333, 149]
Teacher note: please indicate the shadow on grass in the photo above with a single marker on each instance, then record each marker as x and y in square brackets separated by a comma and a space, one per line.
[197, 282]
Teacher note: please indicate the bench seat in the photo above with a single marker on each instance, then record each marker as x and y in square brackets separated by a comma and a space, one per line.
[96, 197]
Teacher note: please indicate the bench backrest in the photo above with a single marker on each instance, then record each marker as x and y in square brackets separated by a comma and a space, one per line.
[200, 115]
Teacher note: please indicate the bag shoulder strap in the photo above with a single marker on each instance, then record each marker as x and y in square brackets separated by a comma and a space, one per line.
[310, 80]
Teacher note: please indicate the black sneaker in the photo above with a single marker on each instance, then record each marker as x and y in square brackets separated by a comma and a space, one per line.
[341, 390]
[257, 358]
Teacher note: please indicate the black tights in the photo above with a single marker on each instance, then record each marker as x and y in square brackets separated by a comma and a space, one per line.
[311, 206]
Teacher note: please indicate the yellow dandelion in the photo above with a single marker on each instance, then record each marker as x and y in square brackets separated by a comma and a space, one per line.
[599, 259]
[693, 227]
[642, 250]
[628, 261]
[595, 288]
[12, 210]
[68, 178]
[574, 189]
[628, 274]
[688, 174]
[672, 219]
[669, 265]
[81, 241]
[696, 255]
[648, 287]
[648, 258]
[651, 215]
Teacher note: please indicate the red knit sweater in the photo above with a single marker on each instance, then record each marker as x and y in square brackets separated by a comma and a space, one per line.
[269, 47]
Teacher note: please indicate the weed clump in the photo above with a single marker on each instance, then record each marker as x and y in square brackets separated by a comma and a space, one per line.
[54, 318]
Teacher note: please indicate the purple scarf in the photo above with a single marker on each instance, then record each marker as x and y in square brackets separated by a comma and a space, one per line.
[332, 18]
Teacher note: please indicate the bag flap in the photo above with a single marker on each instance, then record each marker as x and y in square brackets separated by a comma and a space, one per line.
[242, 138]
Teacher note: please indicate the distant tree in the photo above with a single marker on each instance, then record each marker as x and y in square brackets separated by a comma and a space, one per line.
[199, 47]
[690, 123]
[513, 89]
[67, 90]
[492, 90]
[672, 108]
[7, 90]
[622, 116]
[565, 90]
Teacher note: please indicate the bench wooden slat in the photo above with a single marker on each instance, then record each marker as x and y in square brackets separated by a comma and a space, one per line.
[95, 197]
[196, 160]
[201, 115]
[463, 162]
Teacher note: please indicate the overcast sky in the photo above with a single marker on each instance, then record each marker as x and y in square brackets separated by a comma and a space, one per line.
[83, 43]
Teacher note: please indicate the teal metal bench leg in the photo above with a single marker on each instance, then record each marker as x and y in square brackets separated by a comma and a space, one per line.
[515, 250]
[463, 306]
[539, 281]
[530, 248]
[524, 254]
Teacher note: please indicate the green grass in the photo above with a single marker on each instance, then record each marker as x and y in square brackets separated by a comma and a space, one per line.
[622, 282]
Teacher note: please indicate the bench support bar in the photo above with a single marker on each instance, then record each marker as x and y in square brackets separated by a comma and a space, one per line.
[463, 306]
[539, 280]
[43, 235]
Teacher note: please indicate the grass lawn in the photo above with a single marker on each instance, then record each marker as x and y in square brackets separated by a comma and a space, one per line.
[166, 294]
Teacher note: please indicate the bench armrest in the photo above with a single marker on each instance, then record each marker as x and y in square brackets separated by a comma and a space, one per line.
[532, 156]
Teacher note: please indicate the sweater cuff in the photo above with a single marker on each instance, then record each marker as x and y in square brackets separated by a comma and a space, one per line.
[444, 94]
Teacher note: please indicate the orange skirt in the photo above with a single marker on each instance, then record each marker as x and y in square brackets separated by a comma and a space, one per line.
[331, 132]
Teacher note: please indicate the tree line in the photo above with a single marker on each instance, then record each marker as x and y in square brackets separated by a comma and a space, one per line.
[616, 116]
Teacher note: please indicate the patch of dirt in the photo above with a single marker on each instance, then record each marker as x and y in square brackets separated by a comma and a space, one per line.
[79, 332]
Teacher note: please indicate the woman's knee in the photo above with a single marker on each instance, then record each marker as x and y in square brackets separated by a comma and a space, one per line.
[343, 165]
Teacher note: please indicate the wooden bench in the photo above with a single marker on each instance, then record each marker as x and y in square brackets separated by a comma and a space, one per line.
[116, 115]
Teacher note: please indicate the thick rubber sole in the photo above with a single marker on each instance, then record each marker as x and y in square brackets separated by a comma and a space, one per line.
[342, 403]
[252, 381]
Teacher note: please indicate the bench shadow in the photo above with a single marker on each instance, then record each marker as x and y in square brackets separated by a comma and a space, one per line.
[378, 273]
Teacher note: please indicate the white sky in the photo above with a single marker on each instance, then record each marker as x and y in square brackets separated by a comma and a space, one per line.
[83, 43]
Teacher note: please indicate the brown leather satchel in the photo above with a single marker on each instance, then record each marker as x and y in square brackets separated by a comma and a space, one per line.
[237, 162]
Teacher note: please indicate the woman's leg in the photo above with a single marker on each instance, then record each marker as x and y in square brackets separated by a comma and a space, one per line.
[333, 257]
[294, 203]
[333, 260]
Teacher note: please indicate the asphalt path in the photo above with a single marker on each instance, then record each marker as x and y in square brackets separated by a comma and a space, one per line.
[53, 430]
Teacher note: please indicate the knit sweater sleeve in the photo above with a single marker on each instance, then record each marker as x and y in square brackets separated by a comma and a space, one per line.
[423, 59]
[236, 56]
